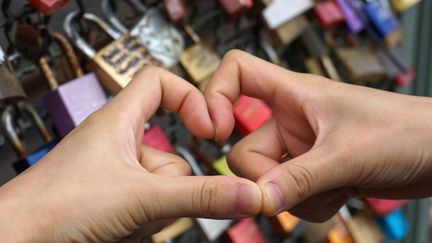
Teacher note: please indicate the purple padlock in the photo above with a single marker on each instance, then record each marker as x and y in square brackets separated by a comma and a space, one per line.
[354, 22]
[70, 103]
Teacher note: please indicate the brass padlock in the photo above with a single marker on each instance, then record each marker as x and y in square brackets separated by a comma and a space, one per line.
[10, 87]
[118, 62]
[199, 60]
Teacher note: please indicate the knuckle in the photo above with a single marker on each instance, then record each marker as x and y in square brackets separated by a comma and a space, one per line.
[233, 54]
[205, 197]
[302, 180]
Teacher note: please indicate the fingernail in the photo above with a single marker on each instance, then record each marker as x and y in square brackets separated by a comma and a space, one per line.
[272, 199]
[248, 201]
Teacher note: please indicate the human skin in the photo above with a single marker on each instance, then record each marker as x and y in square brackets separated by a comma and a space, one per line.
[327, 141]
[100, 184]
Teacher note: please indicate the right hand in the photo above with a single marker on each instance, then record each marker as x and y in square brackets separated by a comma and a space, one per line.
[342, 140]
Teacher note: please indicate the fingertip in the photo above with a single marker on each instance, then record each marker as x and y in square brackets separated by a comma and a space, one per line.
[248, 199]
[196, 117]
[272, 199]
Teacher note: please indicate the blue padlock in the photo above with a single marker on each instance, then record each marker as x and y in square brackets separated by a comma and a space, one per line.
[394, 225]
[381, 16]
[7, 121]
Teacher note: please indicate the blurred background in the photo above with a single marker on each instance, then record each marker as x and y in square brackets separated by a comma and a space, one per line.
[62, 60]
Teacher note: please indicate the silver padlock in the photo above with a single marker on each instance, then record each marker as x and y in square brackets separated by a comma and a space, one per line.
[211, 228]
[161, 38]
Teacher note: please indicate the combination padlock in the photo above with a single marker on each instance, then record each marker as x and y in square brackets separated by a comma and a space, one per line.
[199, 60]
[250, 114]
[71, 103]
[155, 137]
[10, 87]
[244, 231]
[118, 62]
[47, 7]
[9, 116]
[236, 8]
[163, 40]
[212, 229]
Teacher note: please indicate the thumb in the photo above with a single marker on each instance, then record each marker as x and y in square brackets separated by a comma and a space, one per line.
[206, 197]
[291, 182]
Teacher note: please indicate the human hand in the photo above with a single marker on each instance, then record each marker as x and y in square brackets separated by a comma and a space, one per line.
[101, 184]
[327, 140]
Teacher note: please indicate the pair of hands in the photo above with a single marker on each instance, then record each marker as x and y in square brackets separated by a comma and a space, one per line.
[326, 142]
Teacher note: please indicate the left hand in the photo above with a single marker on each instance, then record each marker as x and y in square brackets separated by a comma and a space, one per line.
[101, 184]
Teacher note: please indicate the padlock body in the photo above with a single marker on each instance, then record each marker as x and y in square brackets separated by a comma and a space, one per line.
[354, 22]
[117, 63]
[382, 17]
[31, 159]
[73, 102]
[394, 225]
[221, 166]
[176, 9]
[402, 5]
[384, 206]
[250, 114]
[328, 13]
[236, 8]
[244, 231]
[163, 40]
[200, 62]
[212, 228]
[155, 137]
[10, 88]
[289, 31]
[47, 6]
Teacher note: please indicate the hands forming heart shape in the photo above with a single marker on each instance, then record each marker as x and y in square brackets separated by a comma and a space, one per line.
[327, 141]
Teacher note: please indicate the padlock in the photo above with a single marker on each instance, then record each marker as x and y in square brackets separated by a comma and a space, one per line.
[250, 114]
[317, 232]
[318, 49]
[279, 12]
[177, 10]
[361, 64]
[28, 40]
[47, 7]
[8, 119]
[163, 40]
[289, 31]
[394, 225]
[313, 66]
[118, 62]
[221, 166]
[199, 60]
[403, 5]
[211, 228]
[172, 231]
[155, 137]
[381, 16]
[384, 206]
[70, 103]
[364, 229]
[328, 14]
[354, 23]
[286, 224]
[244, 231]
[10, 87]
[236, 8]
[340, 232]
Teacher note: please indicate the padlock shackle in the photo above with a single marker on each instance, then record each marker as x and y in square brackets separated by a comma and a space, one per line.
[27, 108]
[110, 16]
[186, 155]
[7, 123]
[72, 60]
[76, 38]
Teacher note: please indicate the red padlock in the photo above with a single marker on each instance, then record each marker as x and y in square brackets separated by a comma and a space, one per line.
[328, 14]
[384, 206]
[47, 7]
[250, 114]
[245, 231]
[176, 9]
[236, 8]
[155, 137]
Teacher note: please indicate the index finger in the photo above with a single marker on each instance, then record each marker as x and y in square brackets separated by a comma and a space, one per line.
[155, 87]
[241, 73]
